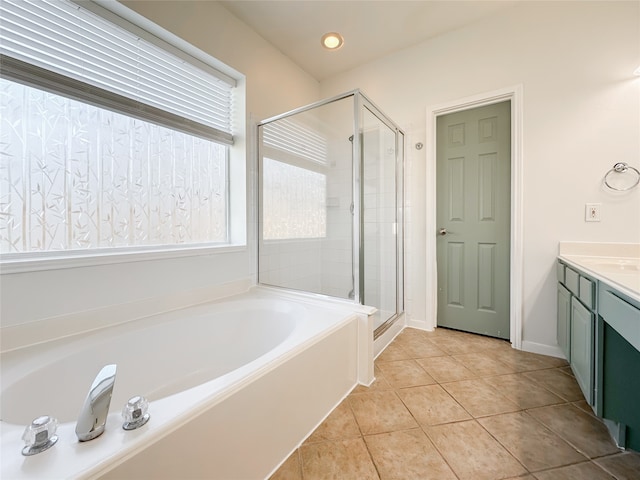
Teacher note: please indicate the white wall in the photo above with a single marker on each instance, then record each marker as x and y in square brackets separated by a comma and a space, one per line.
[273, 85]
[581, 115]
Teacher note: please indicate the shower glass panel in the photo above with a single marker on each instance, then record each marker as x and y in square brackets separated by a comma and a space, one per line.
[306, 191]
[379, 283]
[331, 203]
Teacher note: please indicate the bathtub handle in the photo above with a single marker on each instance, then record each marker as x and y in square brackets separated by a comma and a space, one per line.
[93, 416]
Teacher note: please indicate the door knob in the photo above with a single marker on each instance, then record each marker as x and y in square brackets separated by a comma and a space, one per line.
[442, 231]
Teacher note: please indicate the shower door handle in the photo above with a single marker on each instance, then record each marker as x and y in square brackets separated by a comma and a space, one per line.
[442, 232]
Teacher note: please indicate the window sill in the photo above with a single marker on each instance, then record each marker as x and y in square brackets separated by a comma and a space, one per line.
[33, 262]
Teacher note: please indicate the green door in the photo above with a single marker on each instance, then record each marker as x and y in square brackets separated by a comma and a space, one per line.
[473, 214]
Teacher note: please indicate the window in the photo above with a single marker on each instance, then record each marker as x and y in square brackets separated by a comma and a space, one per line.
[293, 201]
[294, 182]
[107, 140]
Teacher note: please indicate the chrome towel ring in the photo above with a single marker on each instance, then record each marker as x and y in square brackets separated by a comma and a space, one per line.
[622, 167]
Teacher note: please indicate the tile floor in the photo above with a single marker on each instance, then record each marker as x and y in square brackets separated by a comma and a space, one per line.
[451, 405]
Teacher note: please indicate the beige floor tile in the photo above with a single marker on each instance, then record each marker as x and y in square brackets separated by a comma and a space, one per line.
[456, 346]
[584, 406]
[482, 342]
[526, 361]
[339, 425]
[585, 432]
[478, 398]
[522, 391]
[558, 382]
[337, 460]
[534, 445]
[472, 453]
[580, 471]
[566, 369]
[422, 348]
[470, 367]
[624, 466]
[411, 334]
[556, 362]
[391, 353]
[483, 363]
[445, 369]
[290, 469]
[405, 373]
[407, 455]
[432, 405]
[379, 412]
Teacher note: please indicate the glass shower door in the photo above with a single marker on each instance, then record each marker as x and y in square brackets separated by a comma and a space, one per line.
[380, 238]
[306, 200]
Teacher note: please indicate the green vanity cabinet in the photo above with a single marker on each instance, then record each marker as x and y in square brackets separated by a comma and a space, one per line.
[619, 364]
[582, 347]
[576, 327]
[599, 333]
[564, 321]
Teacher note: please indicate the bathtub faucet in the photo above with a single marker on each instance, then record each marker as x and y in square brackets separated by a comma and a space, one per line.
[93, 416]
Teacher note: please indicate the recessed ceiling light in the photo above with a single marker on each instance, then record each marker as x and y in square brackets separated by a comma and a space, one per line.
[332, 41]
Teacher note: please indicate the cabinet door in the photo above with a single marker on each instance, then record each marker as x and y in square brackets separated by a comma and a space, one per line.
[582, 337]
[564, 325]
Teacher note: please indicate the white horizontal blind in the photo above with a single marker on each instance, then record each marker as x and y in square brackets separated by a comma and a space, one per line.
[297, 139]
[66, 39]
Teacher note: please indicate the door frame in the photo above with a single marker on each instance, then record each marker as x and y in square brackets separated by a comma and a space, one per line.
[516, 256]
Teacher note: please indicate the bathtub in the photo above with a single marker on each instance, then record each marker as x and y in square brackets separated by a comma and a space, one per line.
[233, 386]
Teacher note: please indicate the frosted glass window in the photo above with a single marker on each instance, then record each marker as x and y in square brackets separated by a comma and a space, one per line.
[294, 201]
[76, 176]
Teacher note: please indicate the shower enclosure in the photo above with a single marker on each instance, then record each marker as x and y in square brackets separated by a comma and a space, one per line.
[330, 194]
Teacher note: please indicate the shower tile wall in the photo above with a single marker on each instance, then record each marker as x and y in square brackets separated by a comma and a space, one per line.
[337, 254]
[293, 264]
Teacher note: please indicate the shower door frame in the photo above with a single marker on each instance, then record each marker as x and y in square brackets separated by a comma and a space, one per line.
[360, 101]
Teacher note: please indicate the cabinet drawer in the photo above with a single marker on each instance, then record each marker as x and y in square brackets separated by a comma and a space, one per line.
[560, 272]
[571, 280]
[621, 315]
[586, 293]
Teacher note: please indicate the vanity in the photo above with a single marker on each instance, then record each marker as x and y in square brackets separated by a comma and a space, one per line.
[598, 330]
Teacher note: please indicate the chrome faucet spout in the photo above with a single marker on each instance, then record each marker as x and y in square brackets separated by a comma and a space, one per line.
[93, 417]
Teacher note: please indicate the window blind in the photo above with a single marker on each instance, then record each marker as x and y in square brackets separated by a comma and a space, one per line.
[297, 139]
[98, 56]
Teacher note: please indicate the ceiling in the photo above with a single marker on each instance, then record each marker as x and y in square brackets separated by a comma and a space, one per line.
[371, 29]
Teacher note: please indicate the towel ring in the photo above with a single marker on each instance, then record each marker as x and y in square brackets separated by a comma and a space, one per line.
[622, 167]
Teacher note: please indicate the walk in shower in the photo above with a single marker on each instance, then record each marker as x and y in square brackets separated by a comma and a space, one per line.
[330, 199]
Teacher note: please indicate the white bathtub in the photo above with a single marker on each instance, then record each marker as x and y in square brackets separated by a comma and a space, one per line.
[234, 386]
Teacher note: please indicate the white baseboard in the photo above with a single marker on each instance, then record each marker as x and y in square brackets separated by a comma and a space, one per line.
[543, 349]
[420, 324]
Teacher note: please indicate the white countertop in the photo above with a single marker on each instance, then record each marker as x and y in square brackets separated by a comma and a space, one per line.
[615, 264]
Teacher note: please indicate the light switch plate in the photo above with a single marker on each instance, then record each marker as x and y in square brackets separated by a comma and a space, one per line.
[592, 212]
